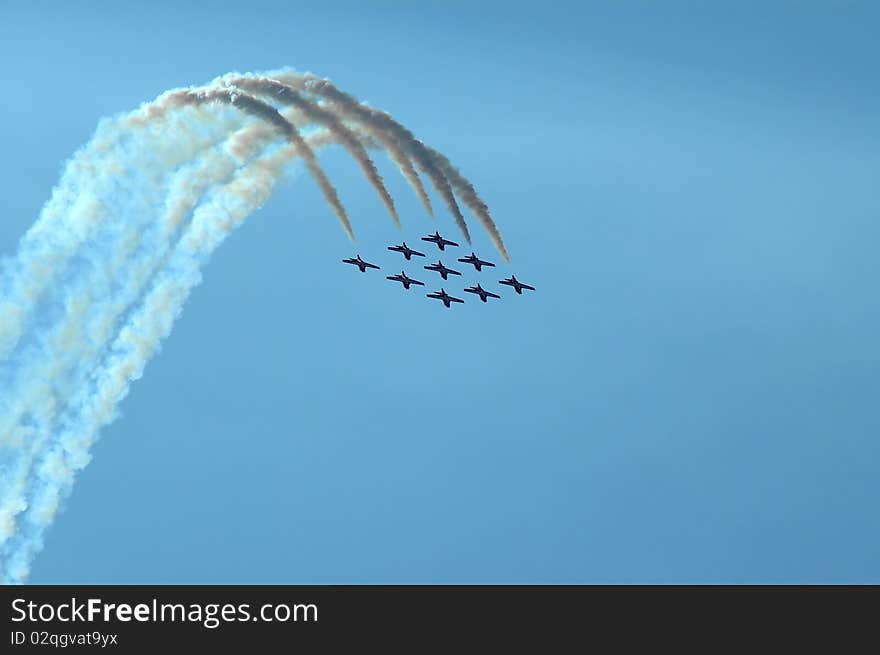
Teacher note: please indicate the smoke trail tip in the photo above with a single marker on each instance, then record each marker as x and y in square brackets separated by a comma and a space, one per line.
[396, 219]
[499, 245]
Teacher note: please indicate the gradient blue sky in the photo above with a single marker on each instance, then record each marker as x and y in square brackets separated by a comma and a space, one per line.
[690, 396]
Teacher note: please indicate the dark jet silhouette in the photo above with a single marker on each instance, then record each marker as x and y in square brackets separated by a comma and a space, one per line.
[440, 268]
[407, 251]
[476, 261]
[360, 263]
[440, 241]
[482, 292]
[516, 284]
[445, 297]
[404, 279]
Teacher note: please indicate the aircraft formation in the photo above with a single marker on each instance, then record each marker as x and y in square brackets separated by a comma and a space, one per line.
[444, 271]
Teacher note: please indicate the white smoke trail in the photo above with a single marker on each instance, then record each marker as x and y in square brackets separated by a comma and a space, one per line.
[80, 204]
[100, 278]
[66, 354]
[186, 190]
[138, 340]
[107, 211]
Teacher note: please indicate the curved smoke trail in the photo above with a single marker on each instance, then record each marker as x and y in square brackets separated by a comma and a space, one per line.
[100, 278]
[286, 95]
[441, 171]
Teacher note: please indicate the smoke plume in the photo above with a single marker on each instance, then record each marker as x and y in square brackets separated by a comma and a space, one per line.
[99, 279]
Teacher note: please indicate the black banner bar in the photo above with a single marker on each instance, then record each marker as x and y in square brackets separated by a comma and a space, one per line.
[155, 617]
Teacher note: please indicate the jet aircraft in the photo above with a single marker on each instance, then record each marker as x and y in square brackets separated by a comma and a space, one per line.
[482, 292]
[476, 261]
[445, 297]
[407, 251]
[360, 263]
[516, 284]
[440, 268]
[440, 241]
[404, 279]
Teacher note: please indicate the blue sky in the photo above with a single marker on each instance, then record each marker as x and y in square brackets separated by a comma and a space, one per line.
[690, 395]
